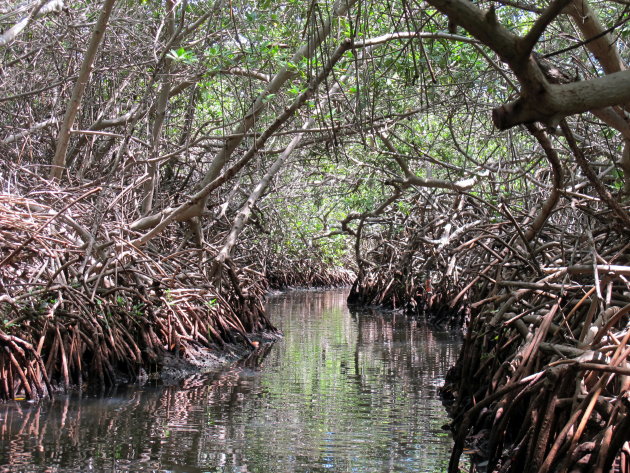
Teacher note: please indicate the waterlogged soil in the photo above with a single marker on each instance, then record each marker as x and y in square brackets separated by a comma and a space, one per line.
[341, 392]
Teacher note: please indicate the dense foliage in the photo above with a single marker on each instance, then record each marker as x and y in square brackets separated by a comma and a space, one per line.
[171, 159]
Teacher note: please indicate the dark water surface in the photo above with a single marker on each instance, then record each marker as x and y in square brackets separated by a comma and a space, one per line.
[341, 392]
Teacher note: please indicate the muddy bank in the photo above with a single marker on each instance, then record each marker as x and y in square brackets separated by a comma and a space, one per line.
[173, 368]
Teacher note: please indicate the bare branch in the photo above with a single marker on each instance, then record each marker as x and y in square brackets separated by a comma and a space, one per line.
[63, 140]
[552, 102]
[550, 13]
[39, 9]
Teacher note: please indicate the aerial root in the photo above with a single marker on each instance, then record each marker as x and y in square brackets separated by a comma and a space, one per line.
[542, 381]
[91, 310]
[308, 271]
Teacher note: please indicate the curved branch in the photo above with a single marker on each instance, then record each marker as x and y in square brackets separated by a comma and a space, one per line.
[556, 168]
[411, 179]
[541, 100]
[39, 9]
[182, 212]
[590, 174]
[550, 103]
[220, 160]
[551, 12]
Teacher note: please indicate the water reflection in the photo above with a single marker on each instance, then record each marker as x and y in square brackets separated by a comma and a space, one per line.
[340, 393]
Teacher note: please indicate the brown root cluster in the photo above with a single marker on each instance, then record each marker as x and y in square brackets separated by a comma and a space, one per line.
[79, 305]
[542, 383]
[307, 273]
[142, 413]
[413, 261]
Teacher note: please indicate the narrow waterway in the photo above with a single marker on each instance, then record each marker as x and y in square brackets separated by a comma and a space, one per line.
[342, 392]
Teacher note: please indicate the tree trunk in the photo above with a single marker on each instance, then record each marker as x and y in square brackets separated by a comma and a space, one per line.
[150, 185]
[340, 8]
[59, 160]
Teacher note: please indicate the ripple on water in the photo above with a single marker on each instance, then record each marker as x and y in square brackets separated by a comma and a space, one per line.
[341, 392]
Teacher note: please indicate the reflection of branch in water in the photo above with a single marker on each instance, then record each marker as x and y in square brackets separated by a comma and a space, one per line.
[154, 423]
[255, 359]
[61, 430]
[408, 347]
[249, 414]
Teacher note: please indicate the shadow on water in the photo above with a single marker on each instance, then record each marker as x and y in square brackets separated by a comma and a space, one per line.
[341, 392]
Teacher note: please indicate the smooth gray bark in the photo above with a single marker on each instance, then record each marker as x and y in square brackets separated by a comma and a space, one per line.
[63, 139]
[340, 8]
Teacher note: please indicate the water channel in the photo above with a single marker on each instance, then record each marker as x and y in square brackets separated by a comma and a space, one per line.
[342, 392]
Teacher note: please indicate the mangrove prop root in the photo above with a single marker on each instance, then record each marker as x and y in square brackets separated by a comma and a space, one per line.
[542, 383]
[81, 307]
